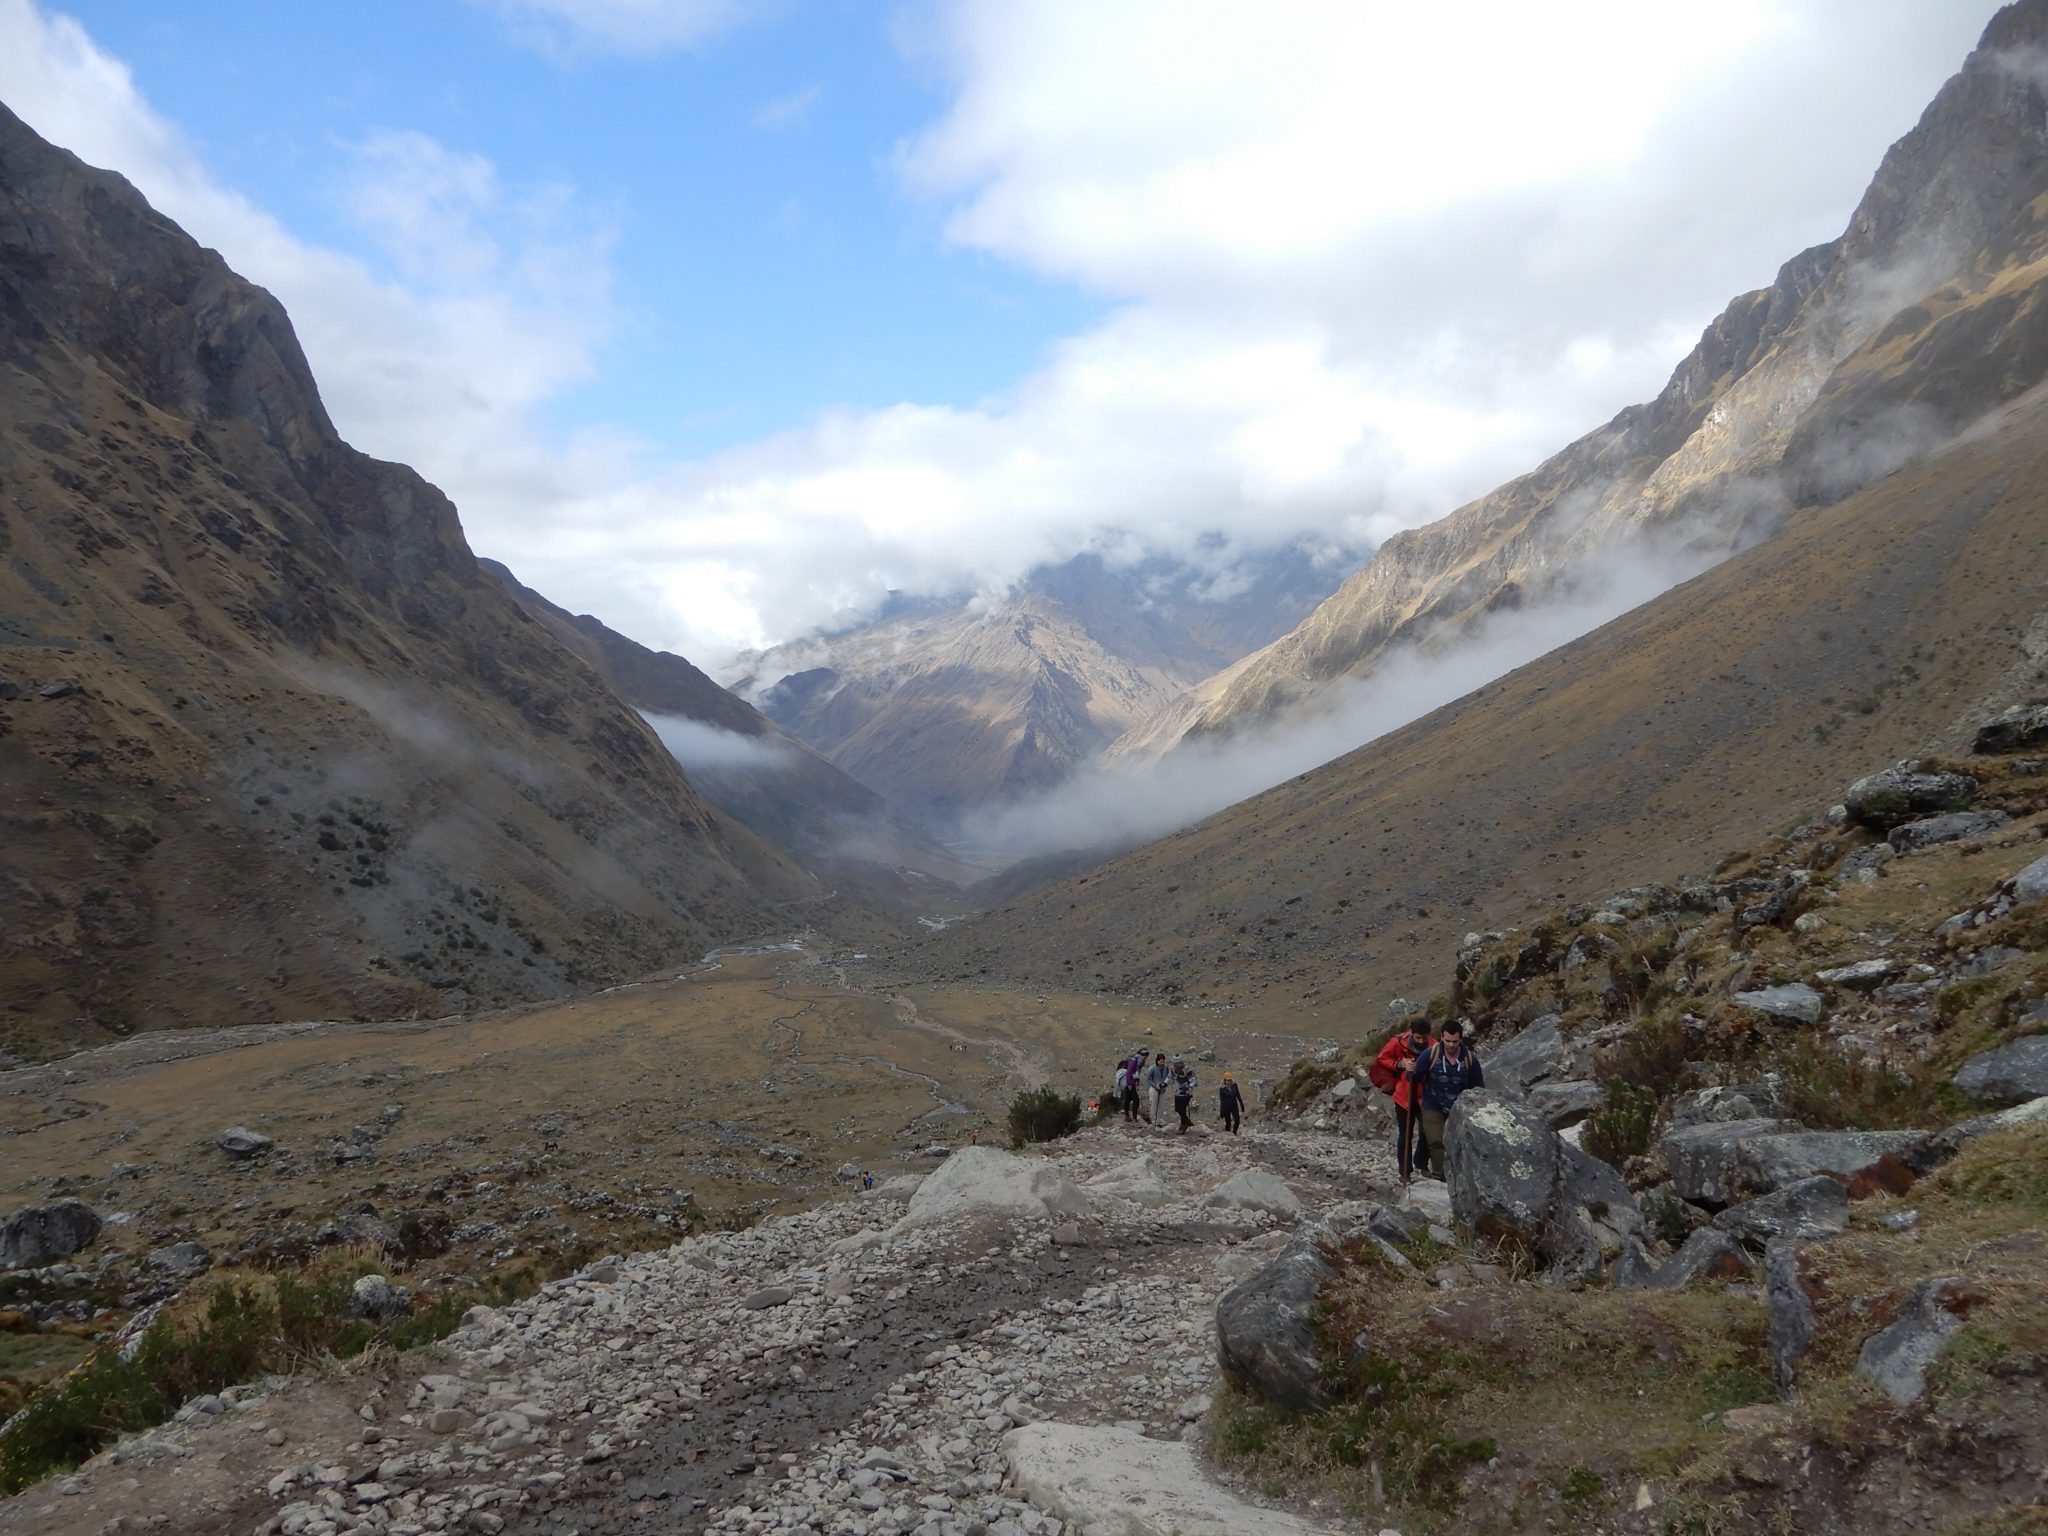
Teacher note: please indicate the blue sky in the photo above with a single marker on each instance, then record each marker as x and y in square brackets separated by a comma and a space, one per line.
[722, 319]
[767, 261]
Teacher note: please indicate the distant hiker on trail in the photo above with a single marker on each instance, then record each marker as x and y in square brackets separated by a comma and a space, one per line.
[1183, 1092]
[1231, 1102]
[867, 1181]
[1120, 1089]
[1440, 1074]
[1390, 1074]
[1134, 1084]
[1158, 1078]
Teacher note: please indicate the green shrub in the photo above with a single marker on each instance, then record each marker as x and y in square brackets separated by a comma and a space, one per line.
[1622, 1126]
[1304, 1080]
[1043, 1114]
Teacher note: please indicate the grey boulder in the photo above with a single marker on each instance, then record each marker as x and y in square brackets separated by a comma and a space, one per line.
[2021, 727]
[1789, 1309]
[1265, 1327]
[1718, 1164]
[1807, 1209]
[2012, 1074]
[1733, 1101]
[1565, 1104]
[1539, 1052]
[180, 1261]
[1514, 1180]
[38, 1235]
[1707, 1255]
[1883, 800]
[1703, 1158]
[1797, 1002]
[1896, 1359]
[1932, 831]
[239, 1142]
[376, 1298]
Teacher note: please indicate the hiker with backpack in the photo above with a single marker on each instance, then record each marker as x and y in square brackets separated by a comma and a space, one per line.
[1183, 1092]
[1389, 1073]
[1440, 1074]
[1230, 1100]
[1134, 1081]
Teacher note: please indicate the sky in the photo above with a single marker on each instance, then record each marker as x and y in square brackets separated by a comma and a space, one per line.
[722, 319]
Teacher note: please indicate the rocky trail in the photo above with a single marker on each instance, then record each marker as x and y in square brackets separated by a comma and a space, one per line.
[964, 1352]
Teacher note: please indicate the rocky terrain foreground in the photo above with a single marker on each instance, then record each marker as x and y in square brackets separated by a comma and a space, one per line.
[1012, 1344]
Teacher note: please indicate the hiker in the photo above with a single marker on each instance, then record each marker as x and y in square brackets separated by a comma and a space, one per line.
[1389, 1074]
[1231, 1102]
[867, 1180]
[1120, 1088]
[1134, 1084]
[1440, 1074]
[1158, 1079]
[1183, 1092]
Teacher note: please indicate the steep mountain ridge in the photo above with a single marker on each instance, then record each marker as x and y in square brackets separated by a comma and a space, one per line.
[271, 743]
[754, 771]
[946, 709]
[1796, 394]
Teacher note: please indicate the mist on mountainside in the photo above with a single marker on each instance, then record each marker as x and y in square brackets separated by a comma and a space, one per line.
[700, 746]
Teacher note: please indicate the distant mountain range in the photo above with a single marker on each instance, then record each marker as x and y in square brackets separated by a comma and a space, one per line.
[1873, 427]
[946, 709]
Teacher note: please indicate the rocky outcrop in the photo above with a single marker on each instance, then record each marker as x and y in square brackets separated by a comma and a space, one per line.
[1718, 1163]
[1932, 831]
[1265, 1327]
[2016, 730]
[43, 1234]
[1806, 1211]
[1896, 1359]
[1899, 795]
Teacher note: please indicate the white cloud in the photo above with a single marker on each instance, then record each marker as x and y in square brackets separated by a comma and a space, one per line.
[575, 28]
[791, 111]
[703, 748]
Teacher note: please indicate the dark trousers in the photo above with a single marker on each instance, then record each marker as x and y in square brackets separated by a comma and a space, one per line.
[1130, 1103]
[1231, 1119]
[1180, 1107]
[1410, 1150]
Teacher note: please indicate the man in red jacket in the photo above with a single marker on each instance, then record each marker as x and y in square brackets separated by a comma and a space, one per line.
[1391, 1074]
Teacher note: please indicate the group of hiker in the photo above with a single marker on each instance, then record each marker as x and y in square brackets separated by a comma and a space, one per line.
[1424, 1077]
[1145, 1079]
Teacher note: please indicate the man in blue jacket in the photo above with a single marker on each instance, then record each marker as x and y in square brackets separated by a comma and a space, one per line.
[1443, 1072]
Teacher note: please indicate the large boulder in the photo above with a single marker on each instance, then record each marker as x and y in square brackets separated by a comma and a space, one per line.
[1112, 1481]
[1539, 1052]
[42, 1234]
[1514, 1181]
[1265, 1327]
[1566, 1104]
[1254, 1190]
[985, 1181]
[1702, 1158]
[1884, 800]
[2012, 1074]
[1789, 1308]
[1932, 831]
[2021, 727]
[1808, 1209]
[1730, 1101]
[241, 1143]
[1952, 1140]
[1895, 1360]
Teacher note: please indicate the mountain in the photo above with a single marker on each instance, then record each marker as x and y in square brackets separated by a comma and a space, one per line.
[1874, 623]
[272, 743]
[749, 767]
[945, 709]
[1797, 393]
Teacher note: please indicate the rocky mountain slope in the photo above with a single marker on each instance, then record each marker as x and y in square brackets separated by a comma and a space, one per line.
[1883, 625]
[271, 743]
[752, 769]
[944, 709]
[1923, 314]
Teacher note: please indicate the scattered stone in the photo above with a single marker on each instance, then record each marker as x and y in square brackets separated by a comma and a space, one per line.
[767, 1297]
[38, 1235]
[1136, 1181]
[181, 1261]
[241, 1143]
[63, 688]
[2011, 1074]
[1797, 1002]
[1896, 1359]
[1254, 1190]
[1864, 975]
[1113, 1481]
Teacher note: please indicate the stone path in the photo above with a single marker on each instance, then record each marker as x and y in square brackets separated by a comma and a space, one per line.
[831, 1372]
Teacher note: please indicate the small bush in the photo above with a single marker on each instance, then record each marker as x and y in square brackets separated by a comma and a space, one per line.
[1303, 1082]
[1622, 1126]
[1043, 1114]
[1833, 1090]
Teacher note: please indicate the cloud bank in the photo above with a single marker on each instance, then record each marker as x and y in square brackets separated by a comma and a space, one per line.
[701, 747]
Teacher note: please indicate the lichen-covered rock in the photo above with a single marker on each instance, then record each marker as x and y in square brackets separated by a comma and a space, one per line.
[1538, 1053]
[1513, 1180]
[986, 1181]
[1808, 1209]
[1932, 831]
[1883, 800]
[1265, 1327]
[1797, 1002]
[1703, 1158]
